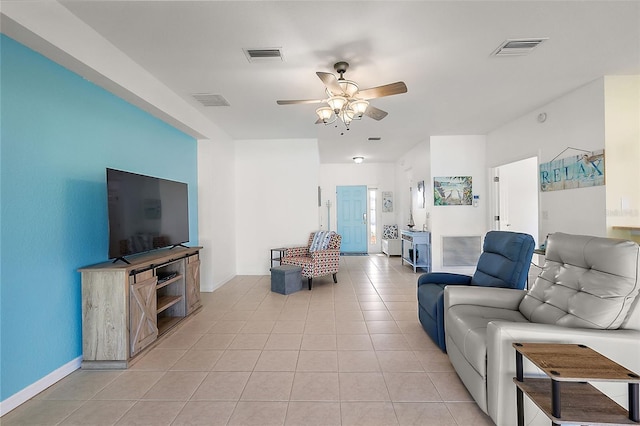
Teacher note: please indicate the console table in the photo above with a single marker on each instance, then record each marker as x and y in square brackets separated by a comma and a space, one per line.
[126, 307]
[416, 249]
[566, 397]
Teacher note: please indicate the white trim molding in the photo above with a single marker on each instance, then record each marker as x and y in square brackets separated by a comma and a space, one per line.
[35, 388]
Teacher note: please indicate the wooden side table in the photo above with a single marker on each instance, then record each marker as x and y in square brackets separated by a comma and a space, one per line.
[566, 397]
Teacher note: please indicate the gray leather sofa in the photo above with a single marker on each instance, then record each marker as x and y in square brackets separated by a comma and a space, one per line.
[586, 293]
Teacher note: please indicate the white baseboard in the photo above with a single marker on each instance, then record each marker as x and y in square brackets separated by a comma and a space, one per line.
[210, 288]
[35, 388]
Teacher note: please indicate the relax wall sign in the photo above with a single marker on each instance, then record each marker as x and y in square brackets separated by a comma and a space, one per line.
[578, 171]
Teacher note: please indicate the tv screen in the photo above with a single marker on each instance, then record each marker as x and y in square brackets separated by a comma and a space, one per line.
[145, 213]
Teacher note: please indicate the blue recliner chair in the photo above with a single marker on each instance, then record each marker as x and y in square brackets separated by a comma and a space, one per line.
[504, 262]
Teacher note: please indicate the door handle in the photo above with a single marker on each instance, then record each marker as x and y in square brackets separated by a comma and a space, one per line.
[364, 218]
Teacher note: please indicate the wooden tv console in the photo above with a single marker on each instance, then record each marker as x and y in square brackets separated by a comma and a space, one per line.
[127, 307]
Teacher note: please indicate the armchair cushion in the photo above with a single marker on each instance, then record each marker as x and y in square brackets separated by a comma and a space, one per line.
[470, 328]
[316, 263]
[504, 262]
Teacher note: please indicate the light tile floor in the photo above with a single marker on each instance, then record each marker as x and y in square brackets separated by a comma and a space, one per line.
[351, 353]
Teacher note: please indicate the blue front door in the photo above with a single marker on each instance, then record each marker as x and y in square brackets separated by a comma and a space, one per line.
[351, 211]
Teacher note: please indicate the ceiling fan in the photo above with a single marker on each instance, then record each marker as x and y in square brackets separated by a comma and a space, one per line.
[345, 99]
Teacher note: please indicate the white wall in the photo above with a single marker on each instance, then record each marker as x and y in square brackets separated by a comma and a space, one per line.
[374, 175]
[414, 166]
[458, 156]
[276, 198]
[574, 120]
[622, 152]
[216, 213]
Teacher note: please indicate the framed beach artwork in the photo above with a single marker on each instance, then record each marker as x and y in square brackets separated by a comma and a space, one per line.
[452, 191]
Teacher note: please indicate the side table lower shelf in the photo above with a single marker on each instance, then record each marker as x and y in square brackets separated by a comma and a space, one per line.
[582, 404]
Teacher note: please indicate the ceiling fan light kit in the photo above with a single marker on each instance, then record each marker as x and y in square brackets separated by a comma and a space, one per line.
[359, 106]
[345, 100]
[346, 116]
[337, 103]
[348, 109]
[349, 88]
[325, 115]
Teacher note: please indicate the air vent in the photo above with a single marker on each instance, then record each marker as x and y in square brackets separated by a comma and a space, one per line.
[518, 47]
[211, 100]
[461, 251]
[268, 54]
[377, 138]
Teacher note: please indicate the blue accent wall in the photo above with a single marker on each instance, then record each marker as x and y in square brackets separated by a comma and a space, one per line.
[58, 134]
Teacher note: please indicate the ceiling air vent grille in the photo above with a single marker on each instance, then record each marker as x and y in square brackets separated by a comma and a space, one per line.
[264, 54]
[375, 138]
[211, 100]
[518, 47]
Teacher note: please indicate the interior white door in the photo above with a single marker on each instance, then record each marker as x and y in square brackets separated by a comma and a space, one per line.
[518, 197]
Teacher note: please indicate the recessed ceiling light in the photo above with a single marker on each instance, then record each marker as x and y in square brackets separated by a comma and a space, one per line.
[358, 160]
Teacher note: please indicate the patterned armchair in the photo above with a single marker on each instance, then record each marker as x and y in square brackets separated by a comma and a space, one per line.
[315, 263]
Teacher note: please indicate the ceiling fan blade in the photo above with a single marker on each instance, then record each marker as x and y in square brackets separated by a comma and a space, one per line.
[331, 82]
[375, 113]
[380, 91]
[302, 101]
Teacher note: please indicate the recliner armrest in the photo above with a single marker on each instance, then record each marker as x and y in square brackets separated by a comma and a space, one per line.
[492, 297]
[444, 278]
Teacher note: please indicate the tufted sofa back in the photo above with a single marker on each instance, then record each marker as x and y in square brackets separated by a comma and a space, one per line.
[586, 282]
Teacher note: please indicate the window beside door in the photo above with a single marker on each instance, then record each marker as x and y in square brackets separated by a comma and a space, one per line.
[373, 223]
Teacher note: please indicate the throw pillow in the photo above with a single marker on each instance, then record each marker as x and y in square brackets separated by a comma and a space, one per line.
[321, 240]
[390, 232]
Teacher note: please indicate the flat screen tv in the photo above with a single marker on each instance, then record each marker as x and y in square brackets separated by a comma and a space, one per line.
[145, 213]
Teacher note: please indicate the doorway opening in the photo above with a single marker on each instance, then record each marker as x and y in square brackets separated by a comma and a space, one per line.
[515, 193]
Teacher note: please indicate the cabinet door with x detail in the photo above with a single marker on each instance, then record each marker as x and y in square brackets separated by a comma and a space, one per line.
[143, 327]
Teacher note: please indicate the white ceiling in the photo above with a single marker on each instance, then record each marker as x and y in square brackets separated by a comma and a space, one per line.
[440, 49]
